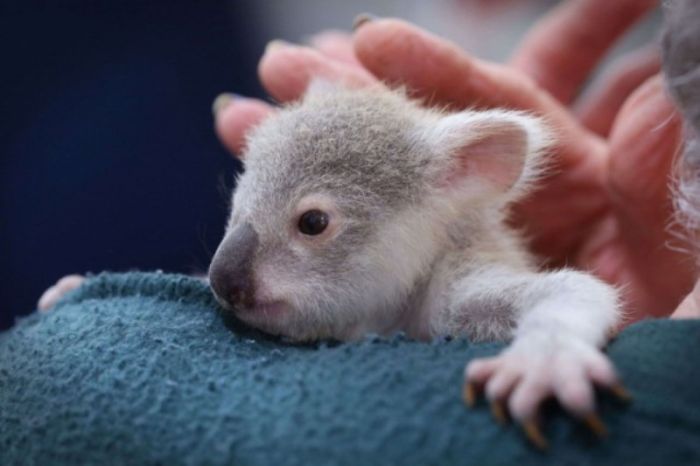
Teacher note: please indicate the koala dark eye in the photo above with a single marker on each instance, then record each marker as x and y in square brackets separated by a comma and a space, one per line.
[313, 222]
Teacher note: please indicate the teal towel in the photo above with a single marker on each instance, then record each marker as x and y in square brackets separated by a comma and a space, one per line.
[141, 369]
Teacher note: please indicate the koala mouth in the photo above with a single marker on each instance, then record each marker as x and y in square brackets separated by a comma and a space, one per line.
[267, 316]
[255, 310]
[265, 308]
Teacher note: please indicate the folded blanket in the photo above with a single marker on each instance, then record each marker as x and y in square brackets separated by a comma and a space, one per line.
[142, 369]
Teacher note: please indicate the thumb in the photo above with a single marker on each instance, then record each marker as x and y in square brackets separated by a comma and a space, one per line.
[644, 142]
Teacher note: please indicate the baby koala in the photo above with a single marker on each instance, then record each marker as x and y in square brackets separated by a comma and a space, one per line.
[360, 211]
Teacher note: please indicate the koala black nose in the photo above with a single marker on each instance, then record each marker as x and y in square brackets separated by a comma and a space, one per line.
[231, 269]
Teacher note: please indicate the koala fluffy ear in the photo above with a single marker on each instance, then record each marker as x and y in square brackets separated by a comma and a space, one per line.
[498, 149]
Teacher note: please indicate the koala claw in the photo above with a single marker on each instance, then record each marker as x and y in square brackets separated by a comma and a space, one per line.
[534, 435]
[52, 295]
[469, 394]
[518, 380]
[621, 392]
[498, 411]
[595, 424]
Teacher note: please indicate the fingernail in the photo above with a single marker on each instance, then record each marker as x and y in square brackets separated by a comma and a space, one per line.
[221, 102]
[276, 44]
[362, 19]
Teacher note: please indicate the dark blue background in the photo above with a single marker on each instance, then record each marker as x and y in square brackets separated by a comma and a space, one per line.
[108, 159]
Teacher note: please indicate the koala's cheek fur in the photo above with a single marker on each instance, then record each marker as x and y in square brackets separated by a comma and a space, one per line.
[362, 284]
[351, 289]
[281, 276]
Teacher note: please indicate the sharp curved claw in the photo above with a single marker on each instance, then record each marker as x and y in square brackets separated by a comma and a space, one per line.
[593, 421]
[534, 435]
[498, 412]
[621, 393]
[469, 394]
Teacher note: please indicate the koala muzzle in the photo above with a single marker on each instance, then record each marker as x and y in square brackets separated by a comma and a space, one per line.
[231, 269]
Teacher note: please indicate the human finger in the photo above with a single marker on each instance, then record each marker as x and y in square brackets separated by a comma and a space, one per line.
[287, 69]
[644, 142]
[565, 46]
[336, 45]
[234, 116]
[598, 108]
[435, 69]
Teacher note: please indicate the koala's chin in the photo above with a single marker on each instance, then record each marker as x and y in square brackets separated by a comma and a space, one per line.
[288, 322]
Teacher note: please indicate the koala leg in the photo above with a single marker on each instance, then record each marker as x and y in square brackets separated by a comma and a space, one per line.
[561, 320]
[52, 295]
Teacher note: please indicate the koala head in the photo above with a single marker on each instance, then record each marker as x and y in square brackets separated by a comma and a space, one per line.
[345, 202]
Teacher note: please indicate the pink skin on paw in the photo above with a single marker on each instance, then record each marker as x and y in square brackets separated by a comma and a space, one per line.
[501, 384]
[576, 395]
[57, 291]
[601, 371]
[529, 393]
[479, 370]
[524, 377]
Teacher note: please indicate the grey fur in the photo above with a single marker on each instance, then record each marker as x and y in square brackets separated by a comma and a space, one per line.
[681, 65]
[410, 255]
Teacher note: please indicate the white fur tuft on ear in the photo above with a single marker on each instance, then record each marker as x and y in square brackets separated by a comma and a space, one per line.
[499, 149]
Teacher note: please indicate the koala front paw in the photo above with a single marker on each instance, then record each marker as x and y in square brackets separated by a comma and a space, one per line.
[51, 296]
[533, 369]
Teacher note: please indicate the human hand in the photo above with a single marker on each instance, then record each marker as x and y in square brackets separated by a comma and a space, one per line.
[607, 205]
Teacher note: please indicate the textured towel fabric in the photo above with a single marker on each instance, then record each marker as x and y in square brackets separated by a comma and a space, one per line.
[140, 369]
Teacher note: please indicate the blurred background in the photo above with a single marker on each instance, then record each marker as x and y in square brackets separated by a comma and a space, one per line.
[108, 158]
